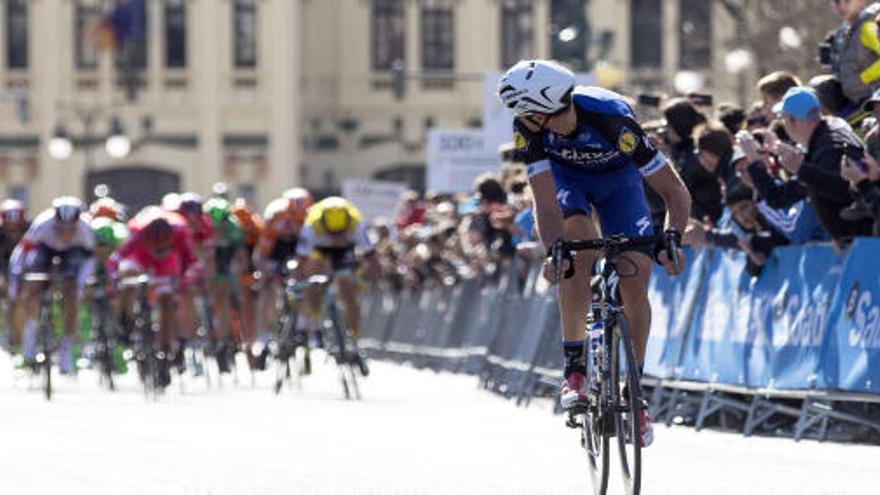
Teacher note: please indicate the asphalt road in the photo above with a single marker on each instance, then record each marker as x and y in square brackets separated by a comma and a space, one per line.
[413, 432]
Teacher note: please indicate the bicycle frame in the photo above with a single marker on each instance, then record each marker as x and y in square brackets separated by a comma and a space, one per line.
[49, 282]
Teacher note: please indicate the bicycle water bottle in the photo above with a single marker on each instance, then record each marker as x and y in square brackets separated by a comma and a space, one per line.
[597, 341]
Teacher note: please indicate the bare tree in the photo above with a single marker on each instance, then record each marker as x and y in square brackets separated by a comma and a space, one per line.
[760, 22]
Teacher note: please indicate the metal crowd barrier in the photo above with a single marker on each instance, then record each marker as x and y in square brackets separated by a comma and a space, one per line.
[507, 334]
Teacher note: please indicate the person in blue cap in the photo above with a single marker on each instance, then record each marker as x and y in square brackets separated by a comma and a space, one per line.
[813, 161]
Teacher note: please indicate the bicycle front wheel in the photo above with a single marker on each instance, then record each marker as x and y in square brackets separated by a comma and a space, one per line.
[596, 429]
[44, 357]
[627, 398]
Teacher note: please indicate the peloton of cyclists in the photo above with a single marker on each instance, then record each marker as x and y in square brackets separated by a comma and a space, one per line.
[217, 251]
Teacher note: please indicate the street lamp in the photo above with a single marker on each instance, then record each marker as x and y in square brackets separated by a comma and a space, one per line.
[60, 146]
[118, 145]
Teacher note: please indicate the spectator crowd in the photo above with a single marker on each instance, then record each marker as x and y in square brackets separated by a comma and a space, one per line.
[798, 165]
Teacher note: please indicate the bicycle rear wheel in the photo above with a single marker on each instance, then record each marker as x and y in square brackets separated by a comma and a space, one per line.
[628, 405]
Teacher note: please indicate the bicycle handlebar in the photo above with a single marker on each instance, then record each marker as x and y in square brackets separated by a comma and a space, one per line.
[141, 280]
[616, 243]
[314, 280]
[670, 241]
[37, 277]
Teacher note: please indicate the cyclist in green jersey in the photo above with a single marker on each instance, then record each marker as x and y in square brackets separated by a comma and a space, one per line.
[229, 258]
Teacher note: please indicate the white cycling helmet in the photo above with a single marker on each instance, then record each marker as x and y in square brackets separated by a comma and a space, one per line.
[67, 209]
[536, 86]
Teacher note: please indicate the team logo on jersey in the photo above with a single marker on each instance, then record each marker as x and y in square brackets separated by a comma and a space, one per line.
[519, 142]
[627, 141]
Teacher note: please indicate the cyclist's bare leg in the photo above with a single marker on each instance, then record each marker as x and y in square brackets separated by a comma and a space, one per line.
[313, 297]
[69, 307]
[30, 308]
[248, 312]
[186, 314]
[574, 293]
[30, 296]
[220, 301]
[634, 291]
[166, 318]
[347, 287]
[267, 307]
[16, 319]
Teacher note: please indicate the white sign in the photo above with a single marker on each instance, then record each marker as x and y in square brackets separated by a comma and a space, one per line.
[455, 158]
[374, 198]
[498, 120]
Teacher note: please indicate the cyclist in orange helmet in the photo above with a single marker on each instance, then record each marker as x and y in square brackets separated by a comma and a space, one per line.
[277, 245]
[251, 225]
[106, 207]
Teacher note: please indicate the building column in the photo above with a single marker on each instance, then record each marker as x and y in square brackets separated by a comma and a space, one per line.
[542, 29]
[155, 54]
[45, 60]
[210, 70]
[284, 60]
[670, 43]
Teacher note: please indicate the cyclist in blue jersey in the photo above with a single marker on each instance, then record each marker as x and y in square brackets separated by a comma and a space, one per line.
[585, 152]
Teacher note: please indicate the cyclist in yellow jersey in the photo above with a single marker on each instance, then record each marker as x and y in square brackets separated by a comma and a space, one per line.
[334, 237]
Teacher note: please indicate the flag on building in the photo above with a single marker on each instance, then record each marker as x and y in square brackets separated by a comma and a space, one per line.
[124, 21]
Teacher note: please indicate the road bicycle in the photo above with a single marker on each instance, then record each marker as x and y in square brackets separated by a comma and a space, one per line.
[46, 342]
[151, 360]
[614, 395]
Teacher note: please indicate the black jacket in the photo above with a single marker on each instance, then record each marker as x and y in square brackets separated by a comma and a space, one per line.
[829, 193]
[777, 193]
[706, 200]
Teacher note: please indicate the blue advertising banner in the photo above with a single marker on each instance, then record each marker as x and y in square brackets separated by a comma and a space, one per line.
[765, 331]
[673, 302]
[788, 317]
[710, 353]
[851, 357]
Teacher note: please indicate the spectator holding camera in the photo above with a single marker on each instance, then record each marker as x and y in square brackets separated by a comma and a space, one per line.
[716, 152]
[495, 219]
[682, 117]
[864, 176]
[814, 162]
[857, 49]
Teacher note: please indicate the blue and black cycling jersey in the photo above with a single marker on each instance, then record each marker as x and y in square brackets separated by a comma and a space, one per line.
[607, 138]
[600, 165]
